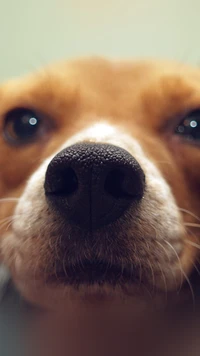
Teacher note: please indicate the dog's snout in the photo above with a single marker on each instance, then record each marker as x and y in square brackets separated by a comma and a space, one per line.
[93, 185]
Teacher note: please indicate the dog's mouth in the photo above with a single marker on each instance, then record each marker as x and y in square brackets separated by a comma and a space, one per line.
[95, 272]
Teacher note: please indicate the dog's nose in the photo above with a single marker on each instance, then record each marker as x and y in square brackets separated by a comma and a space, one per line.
[93, 185]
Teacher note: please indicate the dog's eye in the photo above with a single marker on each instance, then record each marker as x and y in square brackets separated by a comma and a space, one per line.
[189, 127]
[21, 126]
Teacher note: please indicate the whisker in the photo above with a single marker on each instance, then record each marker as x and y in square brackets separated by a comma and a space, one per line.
[190, 213]
[192, 224]
[6, 223]
[140, 273]
[148, 291]
[191, 289]
[64, 264]
[164, 162]
[183, 274]
[177, 256]
[195, 266]
[122, 269]
[9, 224]
[8, 220]
[193, 244]
[140, 267]
[164, 249]
[169, 259]
[5, 200]
[164, 280]
[152, 274]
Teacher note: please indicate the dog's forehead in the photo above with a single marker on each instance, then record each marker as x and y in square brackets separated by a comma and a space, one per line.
[106, 76]
[106, 88]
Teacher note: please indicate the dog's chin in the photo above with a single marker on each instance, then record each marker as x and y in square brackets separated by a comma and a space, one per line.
[64, 299]
[88, 282]
[97, 272]
[89, 285]
[97, 281]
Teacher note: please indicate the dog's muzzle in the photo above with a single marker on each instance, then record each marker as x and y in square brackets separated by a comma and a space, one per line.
[93, 185]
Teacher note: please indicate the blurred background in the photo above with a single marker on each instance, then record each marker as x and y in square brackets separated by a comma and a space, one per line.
[35, 32]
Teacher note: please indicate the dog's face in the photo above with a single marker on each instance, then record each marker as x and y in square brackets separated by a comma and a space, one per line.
[103, 158]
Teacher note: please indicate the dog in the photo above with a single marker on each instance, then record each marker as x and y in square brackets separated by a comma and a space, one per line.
[99, 183]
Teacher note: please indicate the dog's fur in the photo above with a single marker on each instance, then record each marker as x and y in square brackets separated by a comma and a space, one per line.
[133, 105]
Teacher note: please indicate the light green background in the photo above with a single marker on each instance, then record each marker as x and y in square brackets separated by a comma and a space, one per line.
[35, 32]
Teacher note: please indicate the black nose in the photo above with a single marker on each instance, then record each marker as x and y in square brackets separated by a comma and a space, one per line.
[93, 184]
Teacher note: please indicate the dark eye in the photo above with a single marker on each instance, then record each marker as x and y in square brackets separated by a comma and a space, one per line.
[22, 126]
[189, 127]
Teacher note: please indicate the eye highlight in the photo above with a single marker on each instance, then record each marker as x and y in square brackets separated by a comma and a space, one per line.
[189, 127]
[22, 126]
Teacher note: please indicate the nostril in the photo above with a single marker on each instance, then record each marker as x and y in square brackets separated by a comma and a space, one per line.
[71, 181]
[114, 183]
[65, 182]
[124, 183]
